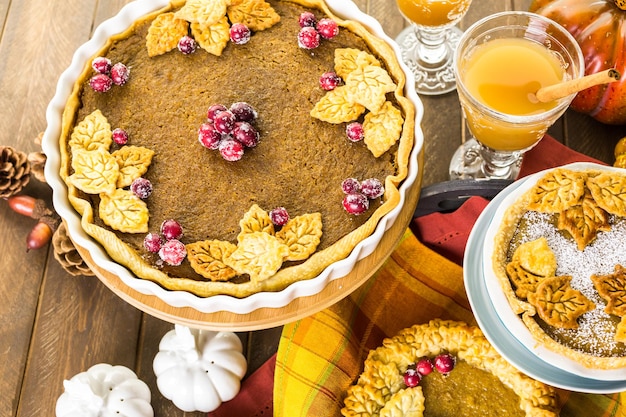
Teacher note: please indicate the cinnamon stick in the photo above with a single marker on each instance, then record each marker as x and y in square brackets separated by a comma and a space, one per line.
[564, 89]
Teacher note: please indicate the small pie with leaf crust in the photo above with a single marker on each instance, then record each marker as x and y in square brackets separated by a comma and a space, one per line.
[569, 231]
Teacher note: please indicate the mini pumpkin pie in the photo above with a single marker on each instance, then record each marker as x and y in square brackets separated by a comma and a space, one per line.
[444, 368]
[234, 147]
[559, 257]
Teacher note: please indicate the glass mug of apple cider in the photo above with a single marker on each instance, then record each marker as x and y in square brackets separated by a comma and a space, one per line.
[500, 63]
[428, 44]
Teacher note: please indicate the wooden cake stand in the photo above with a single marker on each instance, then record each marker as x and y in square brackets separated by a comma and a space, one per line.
[264, 318]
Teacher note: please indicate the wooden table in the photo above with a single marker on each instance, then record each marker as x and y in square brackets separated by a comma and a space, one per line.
[55, 325]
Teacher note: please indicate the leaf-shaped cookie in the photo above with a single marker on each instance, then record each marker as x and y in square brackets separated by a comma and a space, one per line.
[301, 235]
[134, 162]
[368, 86]
[255, 220]
[164, 33]
[205, 12]
[93, 132]
[212, 38]
[584, 221]
[256, 14]
[124, 211]
[558, 304]
[259, 255]
[335, 107]
[95, 172]
[612, 287]
[382, 130]
[207, 259]
[557, 190]
[349, 59]
[408, 402]
[609, 191]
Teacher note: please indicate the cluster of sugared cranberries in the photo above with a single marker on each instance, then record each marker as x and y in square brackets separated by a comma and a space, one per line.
[107, 74]
[443, 363]
[166, 243]
[279, 216]
[359, 193]
[229, 130]
[313, 31]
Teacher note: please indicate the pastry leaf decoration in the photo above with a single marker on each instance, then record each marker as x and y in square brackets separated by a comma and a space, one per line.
[95, 172]
[612, 288]
[558, 191]
[335, 107]
[609, 191]
[348, 60]
[255, 220]
[382, 130]
[207, 259]
[584, 221]
[406, 402]
[368, 86]
[133, 162]
[256, 14]
[205, 12]
[212, 38]
[124, 211]
[164, 33]
[92, 133]
[302, 236]
[259, 255]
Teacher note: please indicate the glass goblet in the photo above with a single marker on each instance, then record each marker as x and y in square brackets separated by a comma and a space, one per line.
[428, 44]
[500, 63]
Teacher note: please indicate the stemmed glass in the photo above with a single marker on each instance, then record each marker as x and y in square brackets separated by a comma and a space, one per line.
[500, 63]
[428, 44]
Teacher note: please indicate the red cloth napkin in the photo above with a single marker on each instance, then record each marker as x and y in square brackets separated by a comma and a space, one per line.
[445, 234]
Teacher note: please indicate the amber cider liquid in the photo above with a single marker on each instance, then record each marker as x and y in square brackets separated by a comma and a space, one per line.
[433, 12]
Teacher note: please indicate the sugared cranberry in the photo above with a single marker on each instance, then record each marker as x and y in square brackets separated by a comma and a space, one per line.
[351, 186]
[329, 80]
[152, 242]
[173, 252]
[245, 133]
[354, 132]
[119, 136]
[141, 187]
[307, 19]
[101, 65]
[171, 229]
[208, 136]
[243, 111]
[187, 45]
[101, 83]
[327, 28]
[214, 110]
[308, 38]
[444, 363]
[412, 378]
[231, 150]
[119, 74]
[424, 366]
[355, 203]
[224, 122]
[279, 216]
[239, 33]
[372, 188]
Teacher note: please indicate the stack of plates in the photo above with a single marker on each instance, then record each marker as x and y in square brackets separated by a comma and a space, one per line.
[502, 327]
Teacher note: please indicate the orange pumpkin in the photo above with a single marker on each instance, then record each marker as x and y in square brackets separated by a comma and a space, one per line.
[599, 26]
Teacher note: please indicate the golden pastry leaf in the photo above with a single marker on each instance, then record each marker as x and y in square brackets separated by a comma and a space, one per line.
[609, 191]
[259, 255]
[207, 259]
[408, 402]
[164, 33]
[301, 235]
[134, 162]
[122, 210]
[348, 60]
[213, 38]
[612, 287]
[93, 132]
[536, 257]
[95, 172]
[362, 401]
[256, 14]
[205, 12]
[584, 221]
[368, 85]
[620, 331]
[557, 191]
[335, 107]
[382, 130]
[255, 220]
[558, 304]
[523, 280]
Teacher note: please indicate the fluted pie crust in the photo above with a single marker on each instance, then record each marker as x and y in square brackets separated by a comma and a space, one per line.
[124, 254]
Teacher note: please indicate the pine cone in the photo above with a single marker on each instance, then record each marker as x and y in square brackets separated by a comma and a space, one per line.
[65, 252]
[14, 171]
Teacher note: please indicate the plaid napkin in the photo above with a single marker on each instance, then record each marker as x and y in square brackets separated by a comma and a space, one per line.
[321, 355]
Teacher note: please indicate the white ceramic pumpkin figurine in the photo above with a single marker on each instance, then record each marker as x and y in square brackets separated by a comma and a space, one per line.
[105, 391]
[198, 370]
